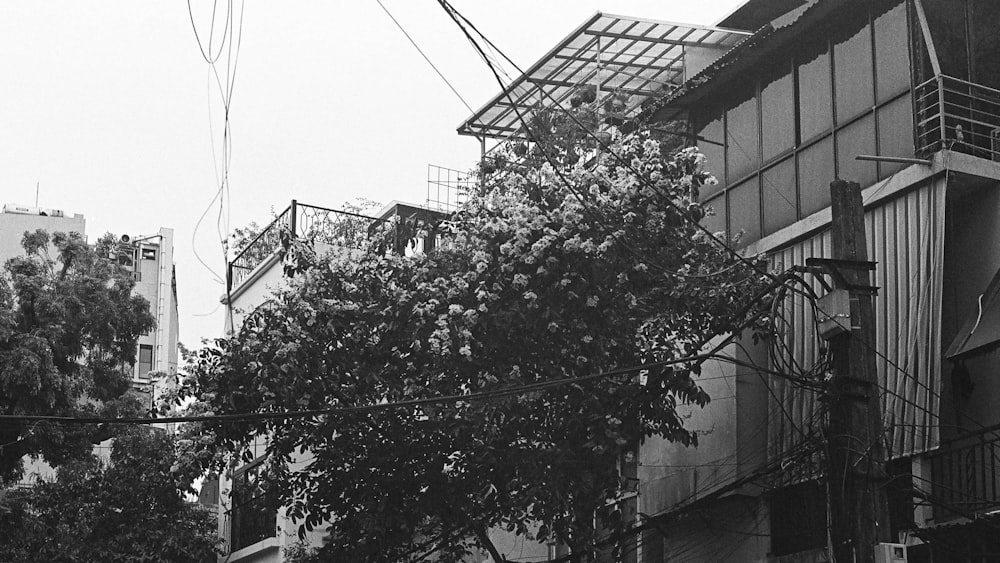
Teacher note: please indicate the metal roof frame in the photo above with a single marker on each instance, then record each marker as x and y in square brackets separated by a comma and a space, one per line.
[617, 54]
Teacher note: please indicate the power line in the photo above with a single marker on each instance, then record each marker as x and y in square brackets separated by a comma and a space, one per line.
[478, 396]
[424, 55]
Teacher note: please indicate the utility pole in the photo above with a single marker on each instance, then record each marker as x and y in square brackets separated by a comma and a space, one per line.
[859, 508]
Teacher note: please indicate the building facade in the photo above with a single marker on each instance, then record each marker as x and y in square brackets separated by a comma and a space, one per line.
[903, 97]
[150, 258]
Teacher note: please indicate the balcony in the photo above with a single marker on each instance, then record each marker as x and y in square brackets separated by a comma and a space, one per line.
[965, 475]
[330, 226]
[957, 115]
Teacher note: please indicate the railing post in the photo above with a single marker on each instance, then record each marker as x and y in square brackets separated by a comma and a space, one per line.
[291, 220]
[941, 110]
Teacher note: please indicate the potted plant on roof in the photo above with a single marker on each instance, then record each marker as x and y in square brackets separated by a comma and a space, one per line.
[614, 108]
[583, 94]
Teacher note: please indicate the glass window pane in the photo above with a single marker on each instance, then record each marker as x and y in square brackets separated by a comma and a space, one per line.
[778, 124]
[857, 138]
[892, 58]
[895, 133]
[742, 134]
[779, 196]
[715, 220]
[852, 63]
[744, 214]
[711, 143]
[815, 175]
[815, 105]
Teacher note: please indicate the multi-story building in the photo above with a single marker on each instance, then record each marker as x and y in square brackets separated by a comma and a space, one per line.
[255, 528]
[901, 96]
[151, 261]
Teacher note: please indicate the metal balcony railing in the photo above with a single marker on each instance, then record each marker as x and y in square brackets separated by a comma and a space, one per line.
[958, 115]
[965, 474]
[320, 224]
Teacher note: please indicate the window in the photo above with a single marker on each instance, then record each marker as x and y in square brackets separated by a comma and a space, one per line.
[779, 196]
[777, 95]
[742, 139]
[145, 359]
[815, 105]
[798, 518]
[815, 174]
[892, 59]
[857, 138]
[149, 254]
[744, 201]
[254, 515]
[852, 63]
[711, 142]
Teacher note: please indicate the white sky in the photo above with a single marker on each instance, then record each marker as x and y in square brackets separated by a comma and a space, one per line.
[106, 106]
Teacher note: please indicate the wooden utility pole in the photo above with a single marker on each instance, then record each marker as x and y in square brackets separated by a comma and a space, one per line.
[859, 509]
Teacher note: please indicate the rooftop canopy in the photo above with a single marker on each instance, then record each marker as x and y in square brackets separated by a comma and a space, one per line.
[619, 56]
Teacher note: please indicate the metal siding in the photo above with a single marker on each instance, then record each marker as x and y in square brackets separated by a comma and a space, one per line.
[906, 239]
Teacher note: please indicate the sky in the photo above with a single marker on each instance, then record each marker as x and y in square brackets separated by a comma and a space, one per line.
[110, 110]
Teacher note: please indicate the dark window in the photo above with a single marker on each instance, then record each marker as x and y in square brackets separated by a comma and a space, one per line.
[716, 220]
[149, 254]
[255, 509]
[895, 133]
[852, 63]
[798, 518]
[777, 96]
[892, 59]
[813, 78]
[711, 143]
[857, 138]
[742, 139]
[779, 196]
[815, 175]
[744, 215]
[145, 359]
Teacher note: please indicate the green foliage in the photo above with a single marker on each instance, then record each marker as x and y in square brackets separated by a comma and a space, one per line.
[68, 331]
[129, 510]
[565, 264]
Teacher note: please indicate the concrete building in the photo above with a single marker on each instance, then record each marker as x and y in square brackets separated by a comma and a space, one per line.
[151, 261]
[254, 527]
[784, 98]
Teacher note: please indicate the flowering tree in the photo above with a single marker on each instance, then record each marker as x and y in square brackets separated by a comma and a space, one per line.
[575, 258]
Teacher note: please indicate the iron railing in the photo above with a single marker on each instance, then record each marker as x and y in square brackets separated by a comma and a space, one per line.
[447, 188]
[958, 115]
[330, 226]
[965, 474]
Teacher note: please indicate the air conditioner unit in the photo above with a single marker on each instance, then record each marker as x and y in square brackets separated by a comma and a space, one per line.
[890, 553]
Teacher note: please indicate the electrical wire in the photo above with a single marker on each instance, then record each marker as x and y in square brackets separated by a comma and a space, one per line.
[424, 55]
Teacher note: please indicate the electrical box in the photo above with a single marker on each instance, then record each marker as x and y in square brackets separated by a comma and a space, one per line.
[834, 313]
[890, 553]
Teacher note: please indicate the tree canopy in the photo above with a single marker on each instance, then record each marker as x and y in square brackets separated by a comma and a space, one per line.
[68, 330]
[578, 257]
[128, 509]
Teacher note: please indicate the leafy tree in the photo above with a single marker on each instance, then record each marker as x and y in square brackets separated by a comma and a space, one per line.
[575, 258]
[128, 510]
[68, 330]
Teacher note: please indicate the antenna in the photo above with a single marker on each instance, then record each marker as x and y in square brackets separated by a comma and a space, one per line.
[37, 184]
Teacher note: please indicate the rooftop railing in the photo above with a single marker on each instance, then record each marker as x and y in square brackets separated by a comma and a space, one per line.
[957, 115]
[965, 474]
[320, 224]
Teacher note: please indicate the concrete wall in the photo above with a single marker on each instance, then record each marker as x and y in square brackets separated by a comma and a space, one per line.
[13, 226]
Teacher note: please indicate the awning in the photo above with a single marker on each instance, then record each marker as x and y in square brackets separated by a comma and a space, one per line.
[618, 55]
[981, 331]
